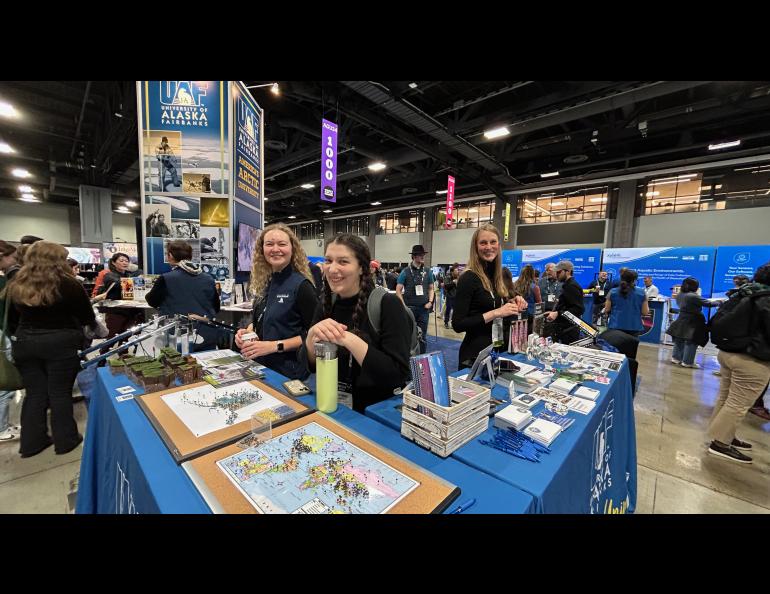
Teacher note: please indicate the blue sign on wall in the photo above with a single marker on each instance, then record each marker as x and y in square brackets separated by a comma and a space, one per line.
[512, 259]
[668, 266]
[587, 262]
[733, 260]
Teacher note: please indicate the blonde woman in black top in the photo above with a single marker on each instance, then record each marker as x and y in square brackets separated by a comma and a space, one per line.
[482, 301]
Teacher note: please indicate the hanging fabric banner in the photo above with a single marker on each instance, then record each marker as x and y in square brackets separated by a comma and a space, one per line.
[328, 161]
[507, 220]
[450, 201]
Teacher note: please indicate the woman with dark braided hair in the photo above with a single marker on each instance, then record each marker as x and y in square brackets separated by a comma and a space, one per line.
[371, 365]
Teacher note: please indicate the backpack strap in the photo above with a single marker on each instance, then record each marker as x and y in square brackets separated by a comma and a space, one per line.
[374, 309]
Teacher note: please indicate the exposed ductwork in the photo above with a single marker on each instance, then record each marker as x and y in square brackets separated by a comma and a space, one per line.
[412, 115]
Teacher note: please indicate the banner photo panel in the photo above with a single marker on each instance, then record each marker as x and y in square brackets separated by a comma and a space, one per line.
[184, 136]
[668, 266]
[512, 259]
[734, 260]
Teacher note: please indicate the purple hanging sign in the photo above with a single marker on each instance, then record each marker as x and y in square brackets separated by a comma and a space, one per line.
[328, 161]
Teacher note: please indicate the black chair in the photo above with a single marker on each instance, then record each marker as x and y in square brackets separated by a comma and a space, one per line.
[628, 345]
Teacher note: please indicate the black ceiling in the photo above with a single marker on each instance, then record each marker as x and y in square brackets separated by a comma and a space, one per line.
[422, 132]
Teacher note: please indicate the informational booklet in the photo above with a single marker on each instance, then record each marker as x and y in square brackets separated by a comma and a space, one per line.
[587, 393]
[543, 431]
[563, 385]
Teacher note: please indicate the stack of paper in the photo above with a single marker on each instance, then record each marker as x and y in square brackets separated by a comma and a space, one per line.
[587, 393]
[527, 400]
[542, 431]
[563, 385]
[515, 417]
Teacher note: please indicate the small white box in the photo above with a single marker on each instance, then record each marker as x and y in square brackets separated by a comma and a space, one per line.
[542, 431]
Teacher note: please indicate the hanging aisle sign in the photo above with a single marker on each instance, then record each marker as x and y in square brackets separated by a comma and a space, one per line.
[247, 148]
[328, 161]
[507, 220]
[450, 201]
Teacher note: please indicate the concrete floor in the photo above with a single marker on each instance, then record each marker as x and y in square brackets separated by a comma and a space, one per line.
[675, 475]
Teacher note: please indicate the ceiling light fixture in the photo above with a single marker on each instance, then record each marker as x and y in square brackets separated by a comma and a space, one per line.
[23, 173]
[724, 145]
[7, 110]
[439, 192]
[26, 189]
[378, 166]
[328, 210]
[130, 203]
[412, 85]
[552, 174]
[496, 133]
[557, 203]
[376, 203]
[28, 198]
[6, 148]
[307, 186]
[274, 88]
[653, 194]
[292, 217]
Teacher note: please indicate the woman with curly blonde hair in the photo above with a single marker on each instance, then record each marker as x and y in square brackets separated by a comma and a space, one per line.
[284, 302]
[50, 309]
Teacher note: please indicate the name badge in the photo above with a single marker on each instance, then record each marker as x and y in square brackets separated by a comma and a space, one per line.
[601, 292]
[551, 297]
[419, 290]
[344, 394]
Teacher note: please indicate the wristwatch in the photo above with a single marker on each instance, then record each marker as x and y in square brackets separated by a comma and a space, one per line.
[279, 346]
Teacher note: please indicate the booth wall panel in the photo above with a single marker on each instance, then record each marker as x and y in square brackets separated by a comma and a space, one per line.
[743, 226]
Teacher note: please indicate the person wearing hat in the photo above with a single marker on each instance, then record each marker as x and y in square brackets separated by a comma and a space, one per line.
[571, 300]
[415, 288]
[377, 274]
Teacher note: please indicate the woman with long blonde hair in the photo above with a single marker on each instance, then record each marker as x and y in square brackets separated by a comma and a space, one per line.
[482, 301]
[50, 309]
[285, 301]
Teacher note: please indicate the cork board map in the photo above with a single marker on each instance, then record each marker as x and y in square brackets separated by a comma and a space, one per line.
[313, 470]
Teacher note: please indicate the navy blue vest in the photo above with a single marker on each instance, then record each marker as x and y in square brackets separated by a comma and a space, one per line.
[280, 319]
[189, 293]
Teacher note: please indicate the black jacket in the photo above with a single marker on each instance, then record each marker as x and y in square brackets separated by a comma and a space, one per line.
[691, 323]
[472, 301]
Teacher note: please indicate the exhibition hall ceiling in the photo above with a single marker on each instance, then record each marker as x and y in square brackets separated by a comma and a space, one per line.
[71, 133]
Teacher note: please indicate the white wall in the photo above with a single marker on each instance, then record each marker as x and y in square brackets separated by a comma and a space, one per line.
[450, 246]
[395, 247]
[312, 248]
[123, 227]
[49, 221]
[745, 226]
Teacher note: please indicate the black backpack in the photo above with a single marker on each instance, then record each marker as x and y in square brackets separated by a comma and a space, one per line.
[732, 325]
[374, 313]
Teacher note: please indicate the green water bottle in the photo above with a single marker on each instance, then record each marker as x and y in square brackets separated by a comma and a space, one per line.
[326, 376]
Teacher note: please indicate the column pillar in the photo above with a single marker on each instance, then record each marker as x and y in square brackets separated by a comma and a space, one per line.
[623, 230]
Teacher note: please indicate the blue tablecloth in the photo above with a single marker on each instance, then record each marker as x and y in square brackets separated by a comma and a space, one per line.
[126, 467]
[591, 467]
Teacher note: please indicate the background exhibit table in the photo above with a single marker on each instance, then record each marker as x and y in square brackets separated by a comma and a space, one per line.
[591, 467]
[126, 468]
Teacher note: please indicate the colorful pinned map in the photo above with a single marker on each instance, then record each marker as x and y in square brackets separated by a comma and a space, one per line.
[313, 470]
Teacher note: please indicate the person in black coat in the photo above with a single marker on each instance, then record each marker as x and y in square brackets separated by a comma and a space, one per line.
[371, 365]
[50, 310]
[571, 300]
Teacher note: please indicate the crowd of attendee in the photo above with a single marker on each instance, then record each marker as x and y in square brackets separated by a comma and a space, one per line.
[297, 303]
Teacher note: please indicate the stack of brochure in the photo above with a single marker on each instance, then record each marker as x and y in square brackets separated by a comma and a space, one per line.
[563, 385]
[429, 377]
[542, 431]
[587, 393]
[515, 417]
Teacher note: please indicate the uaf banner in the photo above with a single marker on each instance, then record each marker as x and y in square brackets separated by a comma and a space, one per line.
[668, 266]
[247, 147]
[184, 136]
[733, 260]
